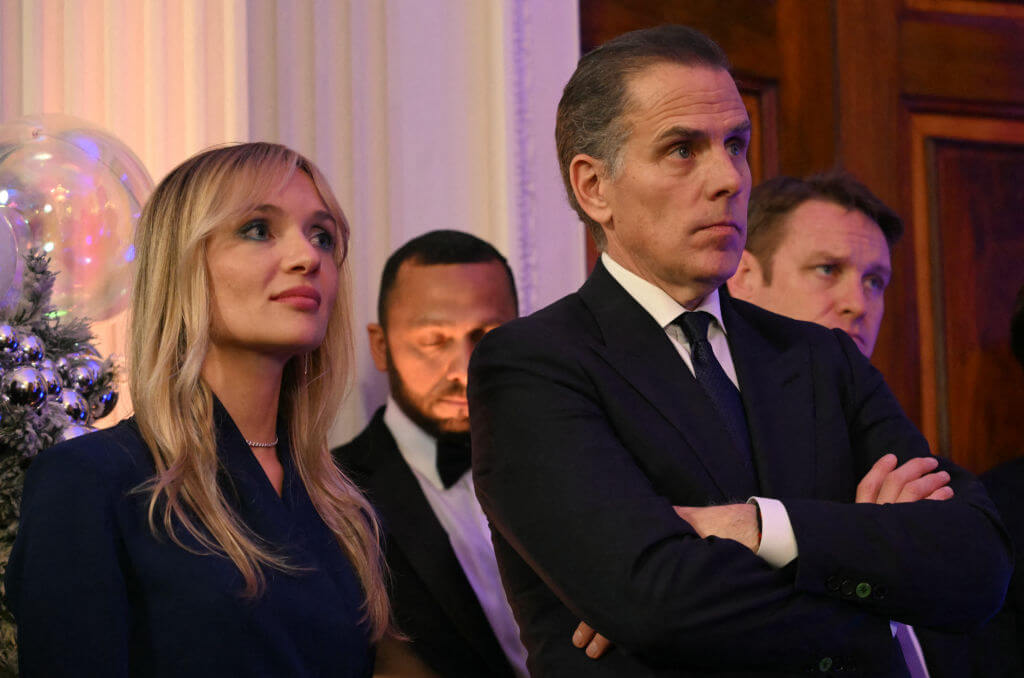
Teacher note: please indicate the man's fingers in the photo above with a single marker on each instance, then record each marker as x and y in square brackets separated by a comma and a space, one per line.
[871, 483]
[583, 635]
[941, 494]
[598, 646]
[886, 483]
[586, 637]
[923, 487]
[909, 472]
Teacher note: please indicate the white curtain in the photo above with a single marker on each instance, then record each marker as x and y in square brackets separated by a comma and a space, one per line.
[424, 114]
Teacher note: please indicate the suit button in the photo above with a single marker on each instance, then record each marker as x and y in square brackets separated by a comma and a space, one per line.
[825, 664]
[832, 583]
[879, 592]
[847, 587]
[863, 589]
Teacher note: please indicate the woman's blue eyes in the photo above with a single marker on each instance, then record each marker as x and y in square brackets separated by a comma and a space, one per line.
[324, 240]
[255, 230]
[259, 230]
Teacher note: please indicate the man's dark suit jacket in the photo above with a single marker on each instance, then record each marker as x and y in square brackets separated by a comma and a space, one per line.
[1003, 637]
[432, 600]
[997, 649]
[588, 427]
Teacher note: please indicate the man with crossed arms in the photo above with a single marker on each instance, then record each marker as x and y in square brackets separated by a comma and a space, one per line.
[618, 433]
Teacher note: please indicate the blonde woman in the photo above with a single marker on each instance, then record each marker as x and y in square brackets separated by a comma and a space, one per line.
[211, 534]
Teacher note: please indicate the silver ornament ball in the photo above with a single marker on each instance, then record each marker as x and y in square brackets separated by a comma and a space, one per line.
[75, 406]
[82, 375]
[8, 338]
[101, 404]
[31, 348]
[52, 381]
[24, 386]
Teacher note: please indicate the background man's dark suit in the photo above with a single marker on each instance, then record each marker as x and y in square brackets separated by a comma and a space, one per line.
[433, 602]
[1004, 637]
[587, 429]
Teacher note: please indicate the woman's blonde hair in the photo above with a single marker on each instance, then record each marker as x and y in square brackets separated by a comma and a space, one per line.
[169, 340]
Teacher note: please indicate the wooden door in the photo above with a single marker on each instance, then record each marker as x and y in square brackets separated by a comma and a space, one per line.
[923, 100]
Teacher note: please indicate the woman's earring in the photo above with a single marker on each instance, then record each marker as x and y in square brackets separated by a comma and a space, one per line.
[305, 365]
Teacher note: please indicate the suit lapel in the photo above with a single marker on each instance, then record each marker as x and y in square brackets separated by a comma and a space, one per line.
[411, 524]
[778, 398]
[640, 351]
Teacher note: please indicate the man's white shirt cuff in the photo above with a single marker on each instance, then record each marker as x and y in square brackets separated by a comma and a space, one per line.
[778, 543]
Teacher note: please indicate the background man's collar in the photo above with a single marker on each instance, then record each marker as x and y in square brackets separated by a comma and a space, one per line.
[417, 447]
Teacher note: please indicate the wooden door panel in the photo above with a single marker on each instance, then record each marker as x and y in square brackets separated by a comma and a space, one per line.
[972, 8]
[980, 200]
[969, 195]
[747, 26]
[968, 198]
[762, 101]
[963, 59]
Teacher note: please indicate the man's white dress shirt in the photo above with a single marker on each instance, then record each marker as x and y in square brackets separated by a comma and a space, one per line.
[462, 518]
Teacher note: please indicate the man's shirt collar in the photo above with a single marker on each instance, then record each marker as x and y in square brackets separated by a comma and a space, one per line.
[656, 301]
[417, 447]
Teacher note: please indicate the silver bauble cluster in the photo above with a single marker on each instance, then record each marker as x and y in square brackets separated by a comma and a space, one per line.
[72, 381]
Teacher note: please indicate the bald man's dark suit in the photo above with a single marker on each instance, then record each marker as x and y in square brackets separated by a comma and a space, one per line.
[588, 427]
[432, 600]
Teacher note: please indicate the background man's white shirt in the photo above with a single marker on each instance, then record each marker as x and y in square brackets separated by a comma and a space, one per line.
[462, 518]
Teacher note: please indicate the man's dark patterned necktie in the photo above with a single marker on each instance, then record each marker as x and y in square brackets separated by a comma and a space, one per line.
[720, 389]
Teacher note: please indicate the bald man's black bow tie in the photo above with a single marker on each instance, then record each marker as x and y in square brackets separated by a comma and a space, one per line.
[453, 458]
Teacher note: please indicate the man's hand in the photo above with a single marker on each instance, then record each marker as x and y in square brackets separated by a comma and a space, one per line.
[914, 480]
[586, 637]
[729, 521]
